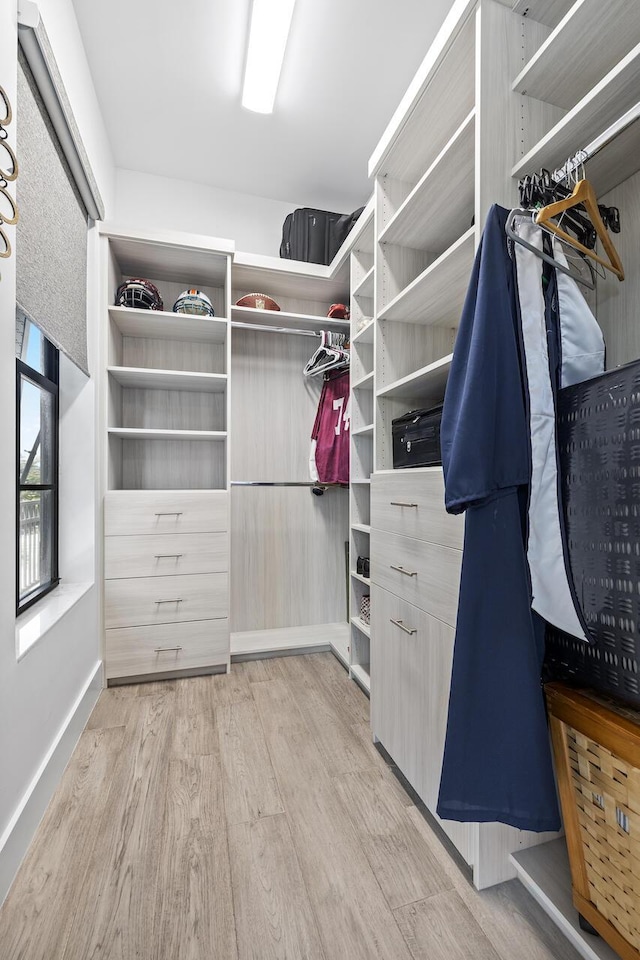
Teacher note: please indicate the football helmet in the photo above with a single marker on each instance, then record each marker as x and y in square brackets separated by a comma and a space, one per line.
[195, 302]
[140, 294]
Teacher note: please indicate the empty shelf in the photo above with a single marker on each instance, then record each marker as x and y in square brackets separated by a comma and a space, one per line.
[366, 382]
[141, 433]
[426, 385]
[362, 674]
[168, 326]
[440, 207]
[599, 108]
[559, 72]
[363, 431]
[361, 527]
[148, 379]
[436, 296]
[361, 482]
[549, 12]
[365, 287]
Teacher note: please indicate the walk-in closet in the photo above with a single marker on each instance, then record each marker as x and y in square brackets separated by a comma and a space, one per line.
[320, 616]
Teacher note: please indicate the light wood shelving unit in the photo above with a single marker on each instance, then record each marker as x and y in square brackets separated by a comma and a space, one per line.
[362, 433]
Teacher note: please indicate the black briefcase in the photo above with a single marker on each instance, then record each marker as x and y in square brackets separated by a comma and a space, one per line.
[416, 438]
[315, 236]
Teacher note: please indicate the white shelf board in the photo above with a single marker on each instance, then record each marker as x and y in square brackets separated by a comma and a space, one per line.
[162, 325]
[281, 318]
[544, 871]
[400, 470]
[360, 237]
[426, 385]
[140, 433]
[605, 103]
[182, 258]
[255, 272]
[361, 527]
[616, 162]
[362, 674]
[436, 296]
[358, 576]
[365, 382]
[362, 626]
[440, 207]
[364, 335]
[549, 12]
[363, 431]
[251, 643]
[148, 379]
[365, 287]
[439, 97]
[559, 72]
[361, 482]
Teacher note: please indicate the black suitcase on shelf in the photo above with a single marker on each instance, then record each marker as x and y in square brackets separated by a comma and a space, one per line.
[416, 438]
[315, 236]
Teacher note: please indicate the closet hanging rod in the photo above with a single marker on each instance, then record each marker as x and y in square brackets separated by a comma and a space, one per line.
[276, 483]
[601, 141]
[268, 329]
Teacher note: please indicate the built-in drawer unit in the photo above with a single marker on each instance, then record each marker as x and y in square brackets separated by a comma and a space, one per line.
[411, 657]
[140, 512]
[151, 600]
[165, 555]
[136, 651]
[426, 574]
[411, 503]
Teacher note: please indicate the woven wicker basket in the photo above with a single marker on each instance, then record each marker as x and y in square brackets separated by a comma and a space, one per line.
[597, 750]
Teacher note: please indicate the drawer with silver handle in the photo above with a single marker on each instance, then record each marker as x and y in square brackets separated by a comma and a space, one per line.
[411, 503]
[164, 555]
[139, 512]
[426, 574]
[153, 600]
[136, 651]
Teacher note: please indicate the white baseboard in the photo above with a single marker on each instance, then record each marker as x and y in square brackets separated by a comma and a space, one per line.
[20, 830]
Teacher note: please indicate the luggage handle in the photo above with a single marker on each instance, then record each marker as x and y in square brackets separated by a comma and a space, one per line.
[407, 573]
[400, 503]
[409, 630]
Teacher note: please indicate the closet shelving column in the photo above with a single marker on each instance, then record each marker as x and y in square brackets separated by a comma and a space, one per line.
[432, 195]
[362, 438]
[166, 396]
[582, 96]
[288, 585]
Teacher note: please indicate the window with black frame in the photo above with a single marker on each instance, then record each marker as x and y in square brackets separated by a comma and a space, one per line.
[37, 464]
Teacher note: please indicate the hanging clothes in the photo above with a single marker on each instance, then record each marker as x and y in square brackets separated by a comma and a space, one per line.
[329, 458]
[525, 330]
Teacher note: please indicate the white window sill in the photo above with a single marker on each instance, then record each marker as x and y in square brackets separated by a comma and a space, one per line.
[42, 616]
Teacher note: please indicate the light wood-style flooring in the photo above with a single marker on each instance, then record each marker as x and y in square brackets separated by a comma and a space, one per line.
[250, 817]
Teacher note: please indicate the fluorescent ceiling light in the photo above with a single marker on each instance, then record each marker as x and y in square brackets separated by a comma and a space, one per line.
[268, 35]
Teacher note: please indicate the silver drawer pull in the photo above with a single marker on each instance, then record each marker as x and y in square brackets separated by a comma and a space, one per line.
[400, 503]
[407, 573]
[409, 630]
[169, 513]
[168, 556]
[166, 649]
[175, 600]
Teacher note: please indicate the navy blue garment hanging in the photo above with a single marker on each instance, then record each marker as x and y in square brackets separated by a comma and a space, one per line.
[497, 760]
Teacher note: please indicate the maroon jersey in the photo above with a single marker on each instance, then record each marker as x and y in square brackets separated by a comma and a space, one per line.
[329, 461]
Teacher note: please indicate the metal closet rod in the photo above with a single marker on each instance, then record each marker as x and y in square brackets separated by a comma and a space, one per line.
[600, 142]
[276, 483]
[268, 329]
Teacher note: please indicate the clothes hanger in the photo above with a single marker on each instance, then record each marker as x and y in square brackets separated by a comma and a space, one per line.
[510, 232]
[583, 193]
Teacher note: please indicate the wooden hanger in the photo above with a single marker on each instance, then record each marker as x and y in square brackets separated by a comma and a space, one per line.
[583, 193]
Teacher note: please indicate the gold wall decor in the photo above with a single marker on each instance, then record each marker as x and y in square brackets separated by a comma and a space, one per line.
[8, 173]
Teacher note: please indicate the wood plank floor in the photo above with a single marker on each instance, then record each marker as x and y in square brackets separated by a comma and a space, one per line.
[249, 817]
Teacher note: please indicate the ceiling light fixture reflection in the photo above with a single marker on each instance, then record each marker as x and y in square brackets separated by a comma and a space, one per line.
[268, 35]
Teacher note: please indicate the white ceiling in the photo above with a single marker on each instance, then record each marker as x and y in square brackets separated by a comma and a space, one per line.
[168, 75]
